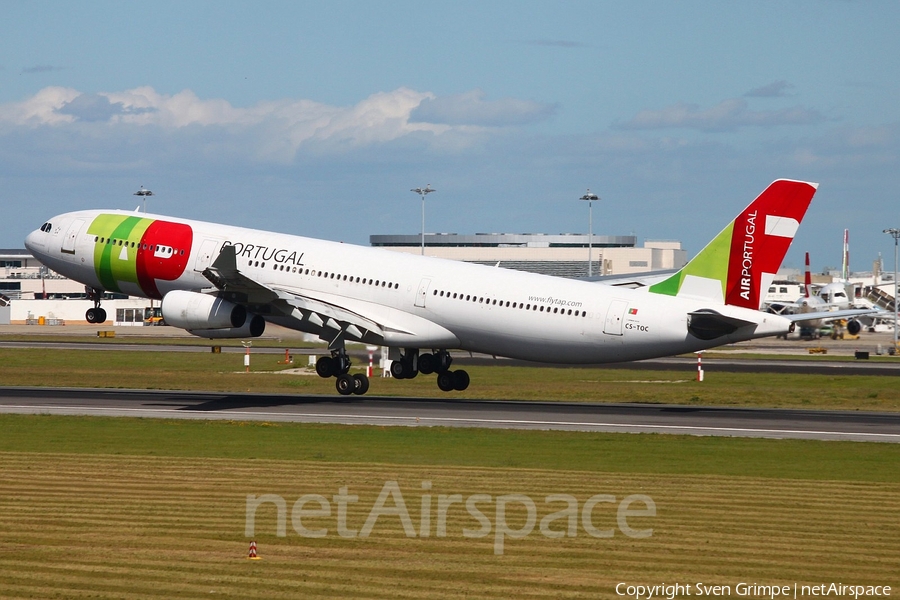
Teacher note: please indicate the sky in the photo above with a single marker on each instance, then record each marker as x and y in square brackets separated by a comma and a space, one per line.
[317, 118]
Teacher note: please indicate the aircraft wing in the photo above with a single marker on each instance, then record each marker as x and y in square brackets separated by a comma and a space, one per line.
[782, 308]
[829, 315]
[632, 280]
[329, 319]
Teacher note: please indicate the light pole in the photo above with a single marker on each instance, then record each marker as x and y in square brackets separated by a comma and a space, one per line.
[590, 200]
[143, 194]
[894, 233]
[423, 192]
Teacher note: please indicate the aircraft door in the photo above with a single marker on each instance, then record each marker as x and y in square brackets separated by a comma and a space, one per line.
[68, 243]
[205, 255]
[423, 292]
[615, 317]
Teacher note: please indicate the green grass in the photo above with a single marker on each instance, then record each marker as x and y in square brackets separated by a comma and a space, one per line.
[142, 508]
[495, 448]
[124, 337]
[151, 508]
[225, 372]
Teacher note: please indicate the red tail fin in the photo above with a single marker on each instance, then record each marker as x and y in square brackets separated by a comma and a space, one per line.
[807, 280]
[761, 237]
[740, 263]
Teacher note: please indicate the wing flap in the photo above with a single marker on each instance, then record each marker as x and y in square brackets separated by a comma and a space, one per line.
[330, 321]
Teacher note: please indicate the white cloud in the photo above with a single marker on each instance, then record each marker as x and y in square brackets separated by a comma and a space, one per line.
[273, 130]
[39, 69]
[729, 114]
[41, 109]
[776, 89]
[851, 146]
[470, 108]
[94, 107]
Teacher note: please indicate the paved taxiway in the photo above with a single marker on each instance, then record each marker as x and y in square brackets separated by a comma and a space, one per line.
[370, 410]
[721, 363]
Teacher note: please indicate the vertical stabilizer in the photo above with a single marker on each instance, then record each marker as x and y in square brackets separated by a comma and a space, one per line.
[807, 280]
[845, 260]
[740, 263]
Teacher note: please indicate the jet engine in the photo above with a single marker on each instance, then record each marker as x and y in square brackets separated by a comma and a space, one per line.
[209, 316]
[853, 327]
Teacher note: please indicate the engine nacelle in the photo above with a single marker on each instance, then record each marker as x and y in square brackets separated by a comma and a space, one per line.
[191, 310]
[853, 327]
[254, 327]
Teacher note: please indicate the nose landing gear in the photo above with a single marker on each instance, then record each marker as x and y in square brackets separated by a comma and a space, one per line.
[96, 314]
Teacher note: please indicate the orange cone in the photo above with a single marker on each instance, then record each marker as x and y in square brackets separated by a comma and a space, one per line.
[253, 555]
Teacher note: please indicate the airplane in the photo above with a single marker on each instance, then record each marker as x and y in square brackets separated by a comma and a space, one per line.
[831, 300]
[220, 281]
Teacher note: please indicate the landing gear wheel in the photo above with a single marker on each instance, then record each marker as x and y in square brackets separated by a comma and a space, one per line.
[445, 381]
[345, 384]
[362, 384]
[427, 364]
[325, 367]
[397, 370]
[95, 315]
[460, 380]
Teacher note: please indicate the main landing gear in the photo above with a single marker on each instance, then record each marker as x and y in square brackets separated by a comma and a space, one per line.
[338, 365]
[96, 314]
[411, 363]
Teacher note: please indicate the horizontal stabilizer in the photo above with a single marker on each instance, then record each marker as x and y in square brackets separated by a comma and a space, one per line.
[831, 315]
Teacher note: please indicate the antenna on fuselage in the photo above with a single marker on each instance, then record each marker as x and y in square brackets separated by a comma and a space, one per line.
[143, 193]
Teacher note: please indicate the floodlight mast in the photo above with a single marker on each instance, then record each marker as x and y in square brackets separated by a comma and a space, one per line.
[590, 200]
[423, 192]
[143, 193]
[894, 233]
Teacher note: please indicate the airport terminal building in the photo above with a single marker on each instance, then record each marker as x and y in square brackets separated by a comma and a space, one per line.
[562, 255]
[31, 293]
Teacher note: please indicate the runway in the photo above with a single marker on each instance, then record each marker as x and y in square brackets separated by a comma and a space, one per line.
[425, 412]
[725, 364]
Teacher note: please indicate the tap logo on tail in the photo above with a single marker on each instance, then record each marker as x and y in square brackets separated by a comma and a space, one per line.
[137, 251]
[740, 263]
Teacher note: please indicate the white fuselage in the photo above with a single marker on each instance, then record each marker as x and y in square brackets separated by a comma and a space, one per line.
[427, 302]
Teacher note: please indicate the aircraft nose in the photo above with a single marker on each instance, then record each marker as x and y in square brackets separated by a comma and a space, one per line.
[34, 241]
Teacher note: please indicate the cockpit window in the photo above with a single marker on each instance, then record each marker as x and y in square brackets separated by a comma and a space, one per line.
[46, 227]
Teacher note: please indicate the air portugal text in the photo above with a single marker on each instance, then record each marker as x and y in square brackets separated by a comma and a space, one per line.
[267, 253]
[747, 262]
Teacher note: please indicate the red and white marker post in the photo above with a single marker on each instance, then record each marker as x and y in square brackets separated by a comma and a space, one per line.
[253, 555]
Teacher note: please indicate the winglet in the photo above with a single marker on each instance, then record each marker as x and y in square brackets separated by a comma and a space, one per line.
[226, 261]
[740, 263]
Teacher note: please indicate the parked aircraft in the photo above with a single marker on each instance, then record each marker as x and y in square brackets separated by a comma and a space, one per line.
[219, 281]
[830, 300]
